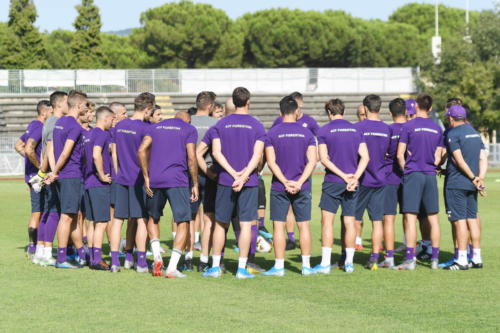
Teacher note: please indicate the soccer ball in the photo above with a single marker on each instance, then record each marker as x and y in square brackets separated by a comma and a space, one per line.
[263, 246]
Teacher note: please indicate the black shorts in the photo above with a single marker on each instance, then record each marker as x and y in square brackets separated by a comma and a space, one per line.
[98, 203]
[420, 192]
[335, 195]
[51, 199]
[392, 197]
[300, 202]
[371, 199]
[460, 204]
[179, 199]
[130, 202]
[69, 193]
[231, 204]
[262, 194]
[207, 195]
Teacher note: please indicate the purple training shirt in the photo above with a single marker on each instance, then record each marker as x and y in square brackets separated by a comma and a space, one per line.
[97, 138]
[68, 128]
[305, 121]
[34, 131]
[394, 172]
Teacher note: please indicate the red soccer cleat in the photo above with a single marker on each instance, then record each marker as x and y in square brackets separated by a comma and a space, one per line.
[157, 267]
[358, 247]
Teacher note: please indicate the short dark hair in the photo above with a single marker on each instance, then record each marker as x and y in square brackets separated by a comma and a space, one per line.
[241, 96]
[424, 102]
[218, 105]
[192, 111]
[205, 99]
[144, 101]
[373, 103]
[397, 107]
[74, 97]
[156, 107]
[453, 101]
[102, 111]
[56, 96]
[335, 107]
[42, 104]
[297, 96]
[288, 105]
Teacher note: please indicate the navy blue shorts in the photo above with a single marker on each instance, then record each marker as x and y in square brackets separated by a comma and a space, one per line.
[82, 201]
[460, 204]
[37, 200]
[420, 192]
[334, 195]
[300, 202]
[130, 202]
[69, 192]
[392, 197]
[243, 204]
[262, 194]
[371, 199]
[179, 199]
[51, 202]
[98, 203]
[113, 194]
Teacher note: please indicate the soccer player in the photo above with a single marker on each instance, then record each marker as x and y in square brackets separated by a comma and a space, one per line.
[291, 156]
[85, 119]
[465, 172]
[130, 196]
[377, 136]
[411, 109]
[419, 152]
[97, 176]
[344, 153]
[218, 111]
[393, 189]
[156, 115]
[32, 150]
[237, 146]
[67, 174]
[166, 178]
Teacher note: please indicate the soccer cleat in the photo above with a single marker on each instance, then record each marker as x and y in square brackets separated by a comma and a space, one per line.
[197, 246]
[242, 273]
[308, 271]
[81, 262]
[434, 263]
[157, 268]
[423, 255]
[66, 265]
[128, 264]
[387, 263]
[472, 264]
[187, 266]
[457, 267]
[446, 263]
[407, 265]
[174, 275]
[274, 272]
[36, 260]
[359, 247]
[371, 265]
[114, 269]
[265, 233]
[213, 272]
[290, 245]
[48, 262]
[203, 267]
[318, 269]
[140, 269]
[254, 268]
[100, 266]
[349, 268]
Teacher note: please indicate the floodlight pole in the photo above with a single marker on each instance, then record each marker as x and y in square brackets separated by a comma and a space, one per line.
[436, 40]
[467, 37]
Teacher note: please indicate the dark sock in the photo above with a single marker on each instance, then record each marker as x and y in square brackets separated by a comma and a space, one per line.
[374, 256]
[435, 253]
[455, 254]
[129, 255]
[253, 240]
[470, 252]
[115, 259]
[61, 254]
[32, 233]
[81, 253]
[84, 239]
[141, 259]
[291, 236]
[91, 255]
[261, 222]
[96, 255]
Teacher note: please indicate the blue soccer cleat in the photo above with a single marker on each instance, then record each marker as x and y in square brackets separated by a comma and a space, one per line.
[349, 268]
[318, 269]
[447, 263]
[308, 271]
[66, 265]
[242, 273]
[275, 272]
[213, 272]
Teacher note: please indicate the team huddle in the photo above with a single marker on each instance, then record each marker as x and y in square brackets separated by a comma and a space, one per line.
[207, 163]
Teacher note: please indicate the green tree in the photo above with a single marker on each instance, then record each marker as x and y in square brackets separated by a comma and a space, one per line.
[58, 48]
[186, 35]
[119, 52]
[24, 46]
[486, 36]
[86, 42]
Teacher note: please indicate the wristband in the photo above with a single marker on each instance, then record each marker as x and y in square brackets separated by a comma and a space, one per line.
[42, 174]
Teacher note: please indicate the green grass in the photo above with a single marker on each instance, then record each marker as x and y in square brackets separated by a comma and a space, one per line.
[45, 299]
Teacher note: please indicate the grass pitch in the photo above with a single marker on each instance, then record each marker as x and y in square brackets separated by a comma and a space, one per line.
[45, 299]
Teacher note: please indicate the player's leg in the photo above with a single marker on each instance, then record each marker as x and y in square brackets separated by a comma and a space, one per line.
[301, 205]
[155, 205]
[89, 232]
[208, 211]
[359, 235]
[50, 221]
[262, 211]
[122, 212]
[474, 226]
[279, 203]
[290, 230]
[431, 205]
[36, 230]
[198, 226]
[349, 203]
[456, 205]
[247, 203]
[390, 213]
[138, 210]
[99, 200]
[376, 212]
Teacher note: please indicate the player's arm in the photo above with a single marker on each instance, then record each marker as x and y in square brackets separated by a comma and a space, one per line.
[221, 159]
[114, 157]
[439, 156]
[49, 150]
[63, 158]
[275, 169]
[19, 147]
[201, 150]
[327, 163]
[99, 165]
[143, 156]
[262, 163]
[193, 169]
[462, 165]
[483, 168]
[311, 155]
[30, 152]
[400, 155]
[364, 158]
[258, 150]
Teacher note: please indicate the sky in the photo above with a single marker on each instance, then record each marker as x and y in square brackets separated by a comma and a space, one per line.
[124, 14]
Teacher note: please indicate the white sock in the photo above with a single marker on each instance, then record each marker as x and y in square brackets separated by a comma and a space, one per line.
[462, 257]
[215, 261]
[204, 258]
[306, 261]
[359, 241]
[39, 251]
[174, 260]
[47, 252]
[242, 262]
[476, 256]
[189, 255]
[196, 237]
[326, 256]
[173, 234]
[279, 263]
[155, 248]
[349, 256]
